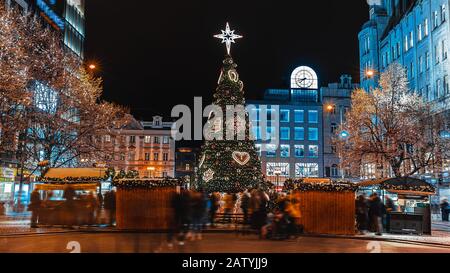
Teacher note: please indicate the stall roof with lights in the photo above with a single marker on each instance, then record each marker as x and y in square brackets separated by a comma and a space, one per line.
[403, 185]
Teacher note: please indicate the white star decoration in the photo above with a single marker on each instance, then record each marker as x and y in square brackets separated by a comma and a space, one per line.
[228, 37]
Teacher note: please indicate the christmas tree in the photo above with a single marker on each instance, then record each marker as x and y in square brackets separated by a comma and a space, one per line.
[229, 164]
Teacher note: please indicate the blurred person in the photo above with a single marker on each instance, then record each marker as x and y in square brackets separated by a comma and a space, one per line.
[100, 199]
[445, 210]
[198, 212]
[362, 213]
[214, 206]
[35, 206]
[177, 221]
[245, 203]
[390, 207]
[92, 206]
[376, 212]
[229, 204]
[2, 208]
[110, 206]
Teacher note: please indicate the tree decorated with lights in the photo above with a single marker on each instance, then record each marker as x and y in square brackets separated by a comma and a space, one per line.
[229, 161]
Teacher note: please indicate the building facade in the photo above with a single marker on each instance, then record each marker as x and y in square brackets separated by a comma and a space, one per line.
[336, 99]
[65, 16]
[414, 33]
[185, 162]
[146, 147]
[296, 114]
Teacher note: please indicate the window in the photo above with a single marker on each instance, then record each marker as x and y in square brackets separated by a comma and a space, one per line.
[438, 89]
[334, 171]
[299, 151]
[131, 156]
[313, 134]
[271, 150]
[436, 19]
[446, 85]
[275, 169]
[285, 133]
[270, 114]
[305, 170]
[285, 151]
[334, 128]
[147, 157]
[156, 140]
[122, 157]
[313, 151]
[256, 115]
[299, 133]
[188, 167]
[165, 157]
[270, 133]
[420, 64]
[147, 139]
[406, 43]
[156, 157]
[166, 140]
[257, 133]
[425, 28]
[284, 115]
[299, 116]
[443, 13]
[313, 116]
[132, 139]
[427, 60]
[411, 39]
[419, 32]
[107, 138]
[436, 54]
[258, 149]
[444, 49]
[412, 70]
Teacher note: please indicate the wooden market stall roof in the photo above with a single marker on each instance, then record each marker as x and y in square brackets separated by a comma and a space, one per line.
[61, 173]
[403, 185]
[58, 187]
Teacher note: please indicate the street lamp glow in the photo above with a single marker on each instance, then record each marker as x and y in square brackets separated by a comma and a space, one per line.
[370, 73]
[151, 169]
[330, 107]
[344, 134]
[92, 66]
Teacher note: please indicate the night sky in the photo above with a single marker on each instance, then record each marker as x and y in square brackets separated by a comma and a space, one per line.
[157, 54]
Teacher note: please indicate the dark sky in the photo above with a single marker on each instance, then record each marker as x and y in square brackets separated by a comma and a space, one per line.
[157, 54]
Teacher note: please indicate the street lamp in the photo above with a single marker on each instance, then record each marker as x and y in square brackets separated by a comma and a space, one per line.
[92, 66]
[370, 73]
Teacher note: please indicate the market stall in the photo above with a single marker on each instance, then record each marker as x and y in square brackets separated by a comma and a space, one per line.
[68, 196]
[411, 199]
[326, 207]
[145, 204]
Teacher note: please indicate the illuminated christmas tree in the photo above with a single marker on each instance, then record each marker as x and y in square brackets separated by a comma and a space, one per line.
[229, 161]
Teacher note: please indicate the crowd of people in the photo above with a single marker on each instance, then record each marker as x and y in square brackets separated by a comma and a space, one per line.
[72, 201]
[372, 214]
[272, 215]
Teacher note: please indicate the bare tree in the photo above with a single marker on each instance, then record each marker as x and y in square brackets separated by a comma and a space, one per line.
[392, 129]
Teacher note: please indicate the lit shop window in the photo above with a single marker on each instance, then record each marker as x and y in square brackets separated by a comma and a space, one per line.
[306, 170]
[285, 151]
[299, 151]
[278, 169]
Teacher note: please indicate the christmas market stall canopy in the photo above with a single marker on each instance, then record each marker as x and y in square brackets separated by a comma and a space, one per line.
[404, 186]
[64, 176]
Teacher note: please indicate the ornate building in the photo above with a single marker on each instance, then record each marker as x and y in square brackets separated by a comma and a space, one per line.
[146, 147]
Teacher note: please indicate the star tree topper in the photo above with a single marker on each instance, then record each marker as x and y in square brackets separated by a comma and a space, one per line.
[228, 37]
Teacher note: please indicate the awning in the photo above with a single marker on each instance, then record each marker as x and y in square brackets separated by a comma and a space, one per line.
[403, 185]
[61, 187]
[61, 173]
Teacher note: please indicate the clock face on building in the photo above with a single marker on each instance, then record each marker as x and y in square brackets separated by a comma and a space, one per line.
[304, 77]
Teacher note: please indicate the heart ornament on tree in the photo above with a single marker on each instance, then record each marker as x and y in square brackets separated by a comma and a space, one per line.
[208, 175]
[242, 158]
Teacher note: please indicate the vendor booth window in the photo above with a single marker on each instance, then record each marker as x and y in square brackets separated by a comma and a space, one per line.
[281, 169]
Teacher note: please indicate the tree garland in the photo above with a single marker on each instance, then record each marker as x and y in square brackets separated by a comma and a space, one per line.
[423, 188]
[299, 185]
[129, 184]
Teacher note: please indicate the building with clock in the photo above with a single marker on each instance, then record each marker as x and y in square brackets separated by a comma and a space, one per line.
[305, 118]
[299, 110]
